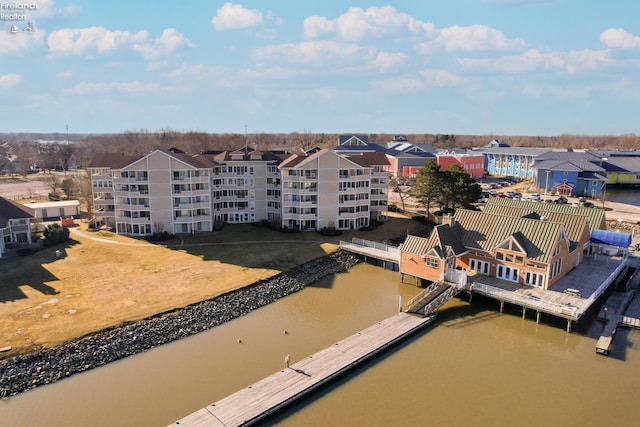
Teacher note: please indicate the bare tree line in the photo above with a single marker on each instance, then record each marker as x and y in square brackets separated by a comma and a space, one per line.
[56, 155]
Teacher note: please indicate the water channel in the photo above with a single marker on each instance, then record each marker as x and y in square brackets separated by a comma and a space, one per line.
[474, 366]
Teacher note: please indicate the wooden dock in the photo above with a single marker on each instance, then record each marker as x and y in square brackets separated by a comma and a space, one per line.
[259, 400]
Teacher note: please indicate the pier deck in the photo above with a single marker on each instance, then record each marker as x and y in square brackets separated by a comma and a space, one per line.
[263, 398]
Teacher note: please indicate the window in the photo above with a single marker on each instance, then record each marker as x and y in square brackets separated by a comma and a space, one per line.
[431, 262]
[507, 273]
[533, 279]
[481, 267]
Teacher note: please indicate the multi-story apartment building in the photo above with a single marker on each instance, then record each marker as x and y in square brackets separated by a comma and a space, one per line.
[178, 193]
[327, 189]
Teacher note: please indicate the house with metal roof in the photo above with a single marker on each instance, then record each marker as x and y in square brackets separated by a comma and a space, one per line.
[577, 173]
[533, 244]
[622, 170]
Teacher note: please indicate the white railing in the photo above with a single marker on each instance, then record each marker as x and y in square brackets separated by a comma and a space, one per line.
[372, 244]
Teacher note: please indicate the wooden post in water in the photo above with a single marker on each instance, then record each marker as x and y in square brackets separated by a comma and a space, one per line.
[538, 316]
[501, 306]
[568, 326]
[524, 312]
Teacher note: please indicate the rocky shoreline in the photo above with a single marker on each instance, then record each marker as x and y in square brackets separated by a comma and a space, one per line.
[29, 371]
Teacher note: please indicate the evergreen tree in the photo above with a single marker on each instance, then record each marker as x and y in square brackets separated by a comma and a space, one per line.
[56, 233]
[428, 185]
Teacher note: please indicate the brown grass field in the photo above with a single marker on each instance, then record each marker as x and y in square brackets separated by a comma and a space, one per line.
[104, 279]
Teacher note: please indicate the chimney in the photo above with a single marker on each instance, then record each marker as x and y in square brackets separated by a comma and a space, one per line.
[447, 219]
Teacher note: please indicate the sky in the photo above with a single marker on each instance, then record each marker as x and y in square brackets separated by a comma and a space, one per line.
[465, 67]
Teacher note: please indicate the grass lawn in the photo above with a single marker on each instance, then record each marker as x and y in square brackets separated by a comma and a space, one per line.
[104, 279]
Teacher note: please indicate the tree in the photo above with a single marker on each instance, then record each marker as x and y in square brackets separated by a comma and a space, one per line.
[428, 186]
[451, 189]
[459, 189]
[54, 184]
[56, 233]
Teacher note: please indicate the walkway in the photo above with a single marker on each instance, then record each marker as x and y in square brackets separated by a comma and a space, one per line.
[372, 249]
[259, 400]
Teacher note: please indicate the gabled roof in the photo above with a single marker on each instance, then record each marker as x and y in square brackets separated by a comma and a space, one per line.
[369, 159]
[443, 238]
[568, 215]
[415, 245]
[567, 165]
[623, 164]
[483, 231]
[572, 156]
[112, 160]
[353, 140]
[11, 210]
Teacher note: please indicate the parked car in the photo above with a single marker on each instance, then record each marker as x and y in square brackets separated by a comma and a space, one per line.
[535, 197]
[588, 205]
[561, 200]
[501, 196]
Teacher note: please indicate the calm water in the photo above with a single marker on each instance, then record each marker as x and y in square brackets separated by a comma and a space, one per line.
[473, 367]
[626, 195]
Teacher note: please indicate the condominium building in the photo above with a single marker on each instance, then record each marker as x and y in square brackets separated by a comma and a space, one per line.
[174, 192]
[327, 189]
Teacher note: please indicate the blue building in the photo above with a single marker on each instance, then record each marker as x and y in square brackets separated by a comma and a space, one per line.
[576, 173]
[511, 161]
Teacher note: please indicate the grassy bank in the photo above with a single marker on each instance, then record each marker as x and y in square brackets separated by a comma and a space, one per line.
[104, 279]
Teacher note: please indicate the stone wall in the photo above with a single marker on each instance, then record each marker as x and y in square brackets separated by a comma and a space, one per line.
[44, 367]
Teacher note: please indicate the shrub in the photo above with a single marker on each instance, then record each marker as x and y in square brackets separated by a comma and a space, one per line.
[329, 231]
[55, 234]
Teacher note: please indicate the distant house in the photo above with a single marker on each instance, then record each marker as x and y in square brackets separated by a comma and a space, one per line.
[471, 161]
[53, 211]
[534, 244]
[405, 158]
[622, 170]
[15, 226]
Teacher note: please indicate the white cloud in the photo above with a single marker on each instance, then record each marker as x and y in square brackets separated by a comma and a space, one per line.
[187, 71]
[235, 17]
[619, 38]
[63, 75]
[385, 61]
[20, 43]
[358, 24]
[10, 80]
[399, 85]
[263, 73]
[471, 39]
[315, 52]
[533, 60]
[170, 41]
[127, 88]
[81, 40]
[441, 78]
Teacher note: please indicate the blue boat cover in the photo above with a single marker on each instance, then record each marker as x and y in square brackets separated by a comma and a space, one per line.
[611, 238]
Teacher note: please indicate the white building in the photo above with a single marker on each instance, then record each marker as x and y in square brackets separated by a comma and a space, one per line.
[178, 193]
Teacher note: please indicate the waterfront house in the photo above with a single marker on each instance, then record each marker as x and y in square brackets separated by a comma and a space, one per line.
[15, 226]
[534, 244]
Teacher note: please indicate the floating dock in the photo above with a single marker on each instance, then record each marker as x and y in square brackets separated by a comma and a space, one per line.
[260, 400]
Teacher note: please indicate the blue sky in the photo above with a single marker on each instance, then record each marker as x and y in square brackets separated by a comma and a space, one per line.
[507, 67]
